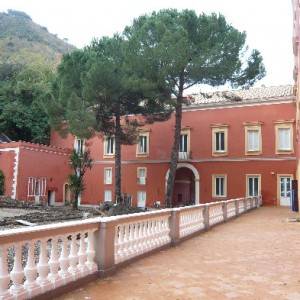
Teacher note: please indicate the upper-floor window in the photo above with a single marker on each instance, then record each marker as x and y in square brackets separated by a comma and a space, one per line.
[183, 145]
[107, 175]
[219, 185]
[143, 144]
[141, 175]
[109, 145]
[284, 138]
[79, 145]
[219, 140]
[253, 139]
[253, 185]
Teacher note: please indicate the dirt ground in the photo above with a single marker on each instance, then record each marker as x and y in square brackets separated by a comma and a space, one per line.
[256, 256]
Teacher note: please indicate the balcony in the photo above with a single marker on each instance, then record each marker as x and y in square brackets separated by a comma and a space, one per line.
[56, 257]
[184, 155]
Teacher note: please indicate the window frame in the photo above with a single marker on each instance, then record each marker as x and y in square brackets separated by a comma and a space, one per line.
[76, 139]
[138, 177]
[104, 175]
[105, 142]
[137, 199]
[247, 183]
[253, 127]
[214, 178]
[104, 193]
[216, 129]
[284, 125]
[143, 154]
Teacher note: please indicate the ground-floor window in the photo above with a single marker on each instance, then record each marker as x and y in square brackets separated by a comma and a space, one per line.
[219, 185]
[253, 185]
[141, 175]
[36, 186]
[141, 199]
[108, 196]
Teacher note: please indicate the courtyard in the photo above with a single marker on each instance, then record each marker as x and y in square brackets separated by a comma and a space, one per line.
[255, 256]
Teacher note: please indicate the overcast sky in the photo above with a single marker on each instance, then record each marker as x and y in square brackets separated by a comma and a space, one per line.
[268, 23]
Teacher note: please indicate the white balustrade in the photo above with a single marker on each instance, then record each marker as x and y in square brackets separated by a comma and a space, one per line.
[231, 210]
[45, 257]
[191, 220]
[42, 258]
[141, 236]
[215, 213]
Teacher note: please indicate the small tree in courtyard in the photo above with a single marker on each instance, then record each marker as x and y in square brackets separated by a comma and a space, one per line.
[182, 49]
[80, 162]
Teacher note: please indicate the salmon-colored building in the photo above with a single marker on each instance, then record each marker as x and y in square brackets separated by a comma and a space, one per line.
[232, 144]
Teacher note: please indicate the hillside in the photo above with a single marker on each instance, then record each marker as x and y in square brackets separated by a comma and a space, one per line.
[24, 42]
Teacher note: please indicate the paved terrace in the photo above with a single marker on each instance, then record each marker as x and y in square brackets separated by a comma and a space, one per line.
[255, 256]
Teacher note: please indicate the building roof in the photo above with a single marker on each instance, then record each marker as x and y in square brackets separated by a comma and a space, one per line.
[254, 94]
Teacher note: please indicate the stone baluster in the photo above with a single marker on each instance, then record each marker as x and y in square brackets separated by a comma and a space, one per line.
[43, 267]
[54, 263]
[73, 257]
[4, 276]
[92, 266]
[17, 274]
[64, 261]
[82, 256]
[30, 272]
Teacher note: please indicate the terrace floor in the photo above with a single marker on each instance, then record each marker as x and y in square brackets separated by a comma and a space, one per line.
[255, 256]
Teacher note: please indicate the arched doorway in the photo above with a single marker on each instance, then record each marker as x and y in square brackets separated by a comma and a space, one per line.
[187, 186]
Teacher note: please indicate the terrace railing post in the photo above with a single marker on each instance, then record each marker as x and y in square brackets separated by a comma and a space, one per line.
[237, 210]
[245, 204]
[224, 208]
[105, 247]
[206, 216]
[174, 226]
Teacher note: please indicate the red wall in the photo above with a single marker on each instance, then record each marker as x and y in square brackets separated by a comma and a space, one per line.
[236, 164]
[7, 166]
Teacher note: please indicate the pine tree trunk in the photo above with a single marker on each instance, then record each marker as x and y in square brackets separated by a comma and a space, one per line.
[175, 149]
[118, 159]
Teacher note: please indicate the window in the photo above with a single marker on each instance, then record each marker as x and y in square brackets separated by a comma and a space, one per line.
[36, 186]
[219, 186]
[219, 140]
[107, 196]
[143, 144]
[79, 145]
[141, 175]
[183, 146]
[253, 140]
[107, 175]
[253, 185]
[141, 199]
[109, 145]
[284, 137]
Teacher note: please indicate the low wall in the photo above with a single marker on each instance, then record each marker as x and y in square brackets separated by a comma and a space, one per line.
[42, 260]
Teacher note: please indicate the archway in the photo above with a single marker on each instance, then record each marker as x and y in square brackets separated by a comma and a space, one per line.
[187, 185]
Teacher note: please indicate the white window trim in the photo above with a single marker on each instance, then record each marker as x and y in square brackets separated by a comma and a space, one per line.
[138, 177]
[138, 153]
[105, 179]
[287, 125]
[137, 198]
[214, 177]
[215, 129]
[76, 139]
[110, 191]
[253, 128]
[259, 183]
[105, 154]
